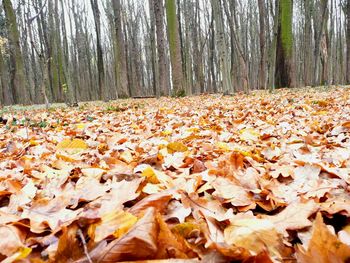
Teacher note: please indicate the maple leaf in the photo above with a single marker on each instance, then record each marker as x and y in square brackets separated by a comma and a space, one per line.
[324, 246]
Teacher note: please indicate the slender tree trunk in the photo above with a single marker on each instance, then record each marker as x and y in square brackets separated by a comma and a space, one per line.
[175, 49]
[262, 40]
[308, 7]
[18, 81]
[100, 64]
[285, 70]
[155, 68]
[120, 58]
[222, 47]
[318, 32]
[273, 48]
[161, 44]
[5, 95]
[347, 41]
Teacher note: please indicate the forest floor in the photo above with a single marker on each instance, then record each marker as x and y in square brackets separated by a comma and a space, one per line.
[257, 178]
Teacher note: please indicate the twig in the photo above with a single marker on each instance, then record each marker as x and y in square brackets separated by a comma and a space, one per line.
[81, 236]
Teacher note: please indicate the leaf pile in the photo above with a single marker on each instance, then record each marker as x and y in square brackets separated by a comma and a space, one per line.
[259, 178]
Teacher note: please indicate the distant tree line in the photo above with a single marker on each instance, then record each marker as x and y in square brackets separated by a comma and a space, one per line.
[80, 50]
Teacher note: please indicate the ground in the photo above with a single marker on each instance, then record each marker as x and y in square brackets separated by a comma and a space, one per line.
[261, 177]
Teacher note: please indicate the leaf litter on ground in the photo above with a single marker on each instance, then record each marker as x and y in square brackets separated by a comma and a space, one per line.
[251, 178]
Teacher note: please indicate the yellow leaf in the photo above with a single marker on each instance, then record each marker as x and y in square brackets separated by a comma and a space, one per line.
[72, 146]
[322, 112]
[23, 253]
[195, 130]
[33, 142]
[115, 223]
[166, 132]
[71, 158]
[80, 126]
[223, 146]
[322, 103]
[126, 156]
[249, 135]
[176, 147]
[185, 229]
[150, 175]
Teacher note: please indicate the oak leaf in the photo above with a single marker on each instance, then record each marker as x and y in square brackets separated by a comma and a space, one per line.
[324, 246]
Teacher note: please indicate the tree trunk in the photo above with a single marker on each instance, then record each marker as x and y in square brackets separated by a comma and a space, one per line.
[262, 19]
[162, 62]
[5, 95]
[17, 77]
[222, 47]
[155, 68]
[319, 27]
[100, 65]
[175, 49]
[120, 59]
[284, 75]
[347, 41]
[308, 7]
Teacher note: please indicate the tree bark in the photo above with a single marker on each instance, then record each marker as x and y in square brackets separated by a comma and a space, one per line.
[100, 64]
[18, 81]
[120, 59]
[262, 40]
[222, 47]
[347, 41]
[175, 49]
[162, 62]
[284, 75]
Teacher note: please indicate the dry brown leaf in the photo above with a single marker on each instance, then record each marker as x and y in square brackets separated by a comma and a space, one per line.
[137, 244]
[324, 246]
[158, 201]
[170, 245]
[115, 223]
[255, 235]
[294, 216]
[69, 248]
[11, 240]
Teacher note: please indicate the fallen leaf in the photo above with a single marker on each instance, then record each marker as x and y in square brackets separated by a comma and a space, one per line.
[115, 223]
[324, 246]
[294, 216]
[255, 235]
[138, 243]
[176, 147]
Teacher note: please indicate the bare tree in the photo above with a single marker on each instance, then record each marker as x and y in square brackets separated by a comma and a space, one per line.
[100, 64]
